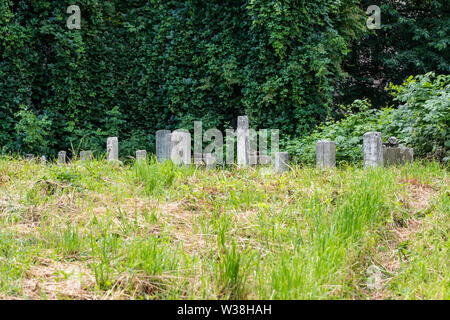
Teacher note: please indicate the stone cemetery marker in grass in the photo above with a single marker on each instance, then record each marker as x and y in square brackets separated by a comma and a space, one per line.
[325, 154]
[112, 149]
[163, 143]
[373, 150]
[180, 147]
[86, 155]
[44, 160]
[141, 155]
[29, 157]
[62, 157]
[243, 142]
[393, 154]
[210, 160]
[281, 162]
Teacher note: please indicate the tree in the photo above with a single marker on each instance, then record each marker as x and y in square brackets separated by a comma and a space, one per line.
[414, 39]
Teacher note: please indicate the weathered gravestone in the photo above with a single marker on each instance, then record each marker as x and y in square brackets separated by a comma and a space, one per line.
[86, 155]
[373, 150]
[62, 157]
[243, 142]
[281, 162]
[141, 155]
[163, 144]
[210, 160]
[29, 157]
[180, 147]
[326, 154]
[112, 149]
[395, 154]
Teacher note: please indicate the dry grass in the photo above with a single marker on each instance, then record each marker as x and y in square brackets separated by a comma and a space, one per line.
[79, 234]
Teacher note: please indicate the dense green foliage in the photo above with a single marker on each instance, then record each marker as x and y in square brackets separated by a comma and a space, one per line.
[422, 121]
[414, 39]
[139, 66]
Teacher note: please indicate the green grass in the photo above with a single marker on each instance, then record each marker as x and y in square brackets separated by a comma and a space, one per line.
[95, 230]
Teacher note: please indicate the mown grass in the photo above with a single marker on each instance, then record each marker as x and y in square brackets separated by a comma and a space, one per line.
[98, 230]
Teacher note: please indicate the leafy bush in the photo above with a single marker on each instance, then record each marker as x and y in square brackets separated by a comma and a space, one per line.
[138, 66]
[347, 133]
[421, 121]
[423, 118]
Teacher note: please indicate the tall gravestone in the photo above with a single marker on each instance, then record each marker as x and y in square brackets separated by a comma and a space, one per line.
[198, 143]
[61, 157]
[180, 148]
[112, 147]
[141, 155]
[281, 162]
[243, 142]
[163, 143]
[326, 154]
[373, 150]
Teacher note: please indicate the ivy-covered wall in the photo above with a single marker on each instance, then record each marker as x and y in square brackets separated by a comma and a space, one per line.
[138, 66]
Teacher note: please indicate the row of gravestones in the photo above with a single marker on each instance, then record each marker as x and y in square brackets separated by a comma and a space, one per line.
[376, 154]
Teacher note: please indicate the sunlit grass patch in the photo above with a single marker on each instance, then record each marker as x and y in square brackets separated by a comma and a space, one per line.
[152, 230]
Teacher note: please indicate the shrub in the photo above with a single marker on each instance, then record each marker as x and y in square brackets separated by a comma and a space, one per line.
[423, 118]
[138, 66]
[421, 121]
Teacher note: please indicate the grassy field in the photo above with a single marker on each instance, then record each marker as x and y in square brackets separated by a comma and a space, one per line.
[96, 230]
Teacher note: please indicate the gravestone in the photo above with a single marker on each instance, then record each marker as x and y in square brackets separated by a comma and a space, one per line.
[326, 154]
[44, 160]
[62, 157]
[210, 160]
[180, 147]
[86, 155]
[394, 154]
[263, 158]
[141, 155]
[112, 149]
[373, 150]
[198, 143]
[243, 142]
[163, 144]
[281, 162]
[29, 157]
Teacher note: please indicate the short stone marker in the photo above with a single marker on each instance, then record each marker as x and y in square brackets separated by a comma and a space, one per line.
[243, 142]
[394, 154]
[373, 150]
[325, 154]
[180, 147]
[163, 144]
[86, 155]
[112, 149]
[141, 155]
[62, 157]
[29, 157]
[281, 162]
[264, 159]
[210, 160]
[44, 160]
